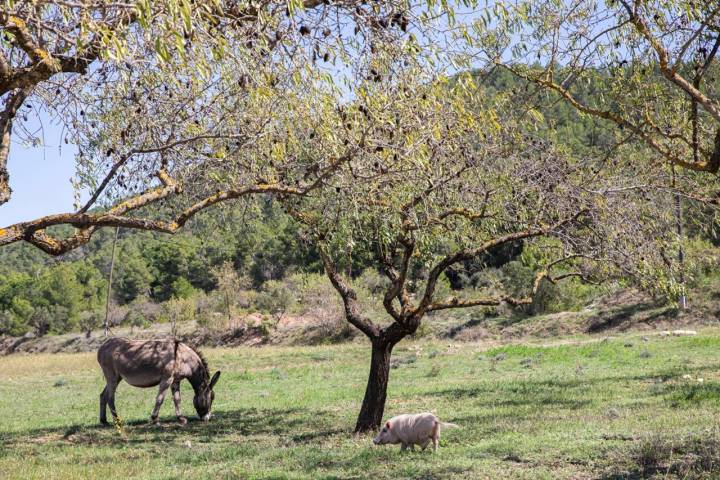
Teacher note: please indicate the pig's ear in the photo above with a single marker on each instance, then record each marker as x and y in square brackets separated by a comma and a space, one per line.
[387, 425]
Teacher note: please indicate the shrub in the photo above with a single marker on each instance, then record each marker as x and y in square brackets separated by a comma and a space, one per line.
[52, 319]
[373, 281]
[11, 324]
[182, 288]
[178, 310]
[136, 319]
[89, 321]
[275, 298]
[319, 299]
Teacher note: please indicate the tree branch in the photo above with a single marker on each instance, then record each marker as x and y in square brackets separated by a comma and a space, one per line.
[711, 165]
[33, 231]
[397, 288]
[467, 254]
[349, 297]
[671, 72]
[14, 102]
[541, 275]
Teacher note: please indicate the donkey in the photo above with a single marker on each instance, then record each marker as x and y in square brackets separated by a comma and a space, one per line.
[146, 363]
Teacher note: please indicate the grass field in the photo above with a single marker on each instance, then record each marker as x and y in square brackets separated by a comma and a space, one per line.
[626, 407]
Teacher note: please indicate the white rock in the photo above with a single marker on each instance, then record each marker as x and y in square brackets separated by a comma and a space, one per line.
[678, 333]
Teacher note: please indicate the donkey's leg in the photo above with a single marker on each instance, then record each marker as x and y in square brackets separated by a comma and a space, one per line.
[103, 406]
[110, 396]
[162, 390]
[176, 398]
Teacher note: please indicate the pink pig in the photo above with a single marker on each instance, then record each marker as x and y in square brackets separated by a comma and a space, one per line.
[412, 429]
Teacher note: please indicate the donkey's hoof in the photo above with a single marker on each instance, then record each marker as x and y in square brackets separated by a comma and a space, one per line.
[182, 420]
[154, 420]
[104, 423]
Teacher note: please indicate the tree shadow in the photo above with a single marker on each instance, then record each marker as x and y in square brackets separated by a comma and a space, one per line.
[455, 330]
[242, 422]
[627, 316]
[544, 392]
[690, 393]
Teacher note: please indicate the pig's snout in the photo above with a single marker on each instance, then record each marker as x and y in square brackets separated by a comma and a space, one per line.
[376, 441]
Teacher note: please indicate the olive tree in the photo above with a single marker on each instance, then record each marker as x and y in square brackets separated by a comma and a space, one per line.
[145, 89]
[656, 63]
[444, 173]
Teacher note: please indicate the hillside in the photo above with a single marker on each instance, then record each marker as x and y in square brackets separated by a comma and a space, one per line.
[617, 313]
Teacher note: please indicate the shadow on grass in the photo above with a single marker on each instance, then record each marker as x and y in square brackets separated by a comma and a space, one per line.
[457, 329]
[558, 387]
[696, 456]
[288, 423]
[691, 393]
[543, 397]
[627, 316]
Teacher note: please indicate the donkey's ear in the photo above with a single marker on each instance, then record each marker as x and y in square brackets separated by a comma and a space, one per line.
[214, 380]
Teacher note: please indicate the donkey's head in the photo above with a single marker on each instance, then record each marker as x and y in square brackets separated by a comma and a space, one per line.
[204, 397]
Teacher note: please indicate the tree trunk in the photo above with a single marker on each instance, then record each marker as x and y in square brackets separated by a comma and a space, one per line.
[373, 405]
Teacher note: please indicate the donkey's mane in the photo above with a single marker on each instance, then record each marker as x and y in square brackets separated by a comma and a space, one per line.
[205, 368]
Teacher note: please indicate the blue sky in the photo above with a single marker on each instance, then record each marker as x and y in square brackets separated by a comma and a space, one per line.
[39, 176]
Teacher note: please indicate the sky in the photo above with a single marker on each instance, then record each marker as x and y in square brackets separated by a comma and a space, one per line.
[39, 176]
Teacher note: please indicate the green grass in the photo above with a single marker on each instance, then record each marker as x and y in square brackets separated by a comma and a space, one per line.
[582, 410]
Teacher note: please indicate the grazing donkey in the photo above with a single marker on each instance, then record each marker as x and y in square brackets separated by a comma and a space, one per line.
[146, 363]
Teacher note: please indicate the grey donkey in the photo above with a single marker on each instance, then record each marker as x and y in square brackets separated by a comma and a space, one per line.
[147, 363]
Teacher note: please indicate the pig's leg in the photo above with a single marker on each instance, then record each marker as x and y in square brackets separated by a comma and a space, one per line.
[403, 447]
[436, 436]
[425, 443]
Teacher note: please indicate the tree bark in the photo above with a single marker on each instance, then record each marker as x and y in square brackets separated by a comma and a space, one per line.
[373, 406]
[13, 103]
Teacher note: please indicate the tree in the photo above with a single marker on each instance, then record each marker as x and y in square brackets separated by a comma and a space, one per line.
[657, 62]
[229, 283]
[446, 175]
[133, 276]
[176, 60]
[654, 65]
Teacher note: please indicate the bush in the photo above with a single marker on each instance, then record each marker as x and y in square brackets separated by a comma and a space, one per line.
[373, 281]
[89, 321]
[136, 319]
[11, 324]
[319, 299]
[178, 310]
[52, 319]
[275, 298]
[182, 288]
